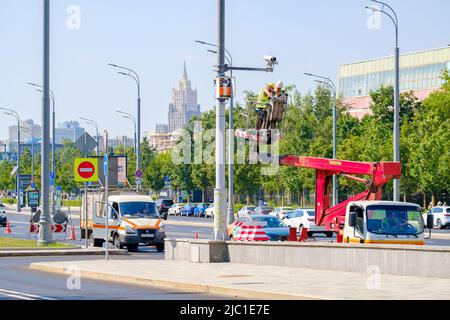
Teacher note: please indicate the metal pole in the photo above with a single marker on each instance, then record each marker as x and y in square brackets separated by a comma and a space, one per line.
[45, 235]
[138, 134]
[106, 206]
[230, 217]
[53, 158]
[19, 202]
[32, 160]
[335, 186]
[220, 227]
[86, 238]
[397, 120]
[96, 130]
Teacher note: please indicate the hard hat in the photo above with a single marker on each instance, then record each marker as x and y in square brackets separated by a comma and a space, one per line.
[280, 85]
[271, 84]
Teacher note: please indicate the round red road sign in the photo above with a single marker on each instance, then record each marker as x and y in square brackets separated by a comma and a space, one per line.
[86, 170]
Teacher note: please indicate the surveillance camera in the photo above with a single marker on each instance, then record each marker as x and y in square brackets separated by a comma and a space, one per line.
[271, 59]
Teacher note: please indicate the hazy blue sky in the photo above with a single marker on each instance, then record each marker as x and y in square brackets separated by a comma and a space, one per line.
[154, 37]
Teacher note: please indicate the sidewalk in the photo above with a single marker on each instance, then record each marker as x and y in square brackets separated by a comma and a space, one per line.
[44, 252]
[257, 282]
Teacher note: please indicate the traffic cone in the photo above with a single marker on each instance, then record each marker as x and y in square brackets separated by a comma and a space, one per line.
[292, 234]
[8, 228]
[196, 236]
[72, 235]
[303, 235]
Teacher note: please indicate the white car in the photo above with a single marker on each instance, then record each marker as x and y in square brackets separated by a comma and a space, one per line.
[305, 218]
[441, 217]
[175, 209]
[209, 212]
[245, 211]
[281, 212]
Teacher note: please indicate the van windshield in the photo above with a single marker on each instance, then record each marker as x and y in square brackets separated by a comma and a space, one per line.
[395, 220]
[138, 209]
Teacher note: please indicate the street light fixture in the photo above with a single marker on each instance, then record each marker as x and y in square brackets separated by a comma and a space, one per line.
[95, 125]
[329, 83]
[14, 114]
[132, 74]
[393, 16]
[129, 116]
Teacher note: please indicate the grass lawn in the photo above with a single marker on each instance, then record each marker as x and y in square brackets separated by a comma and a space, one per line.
[11, 243]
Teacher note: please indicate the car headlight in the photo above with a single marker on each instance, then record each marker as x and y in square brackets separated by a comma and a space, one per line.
[162, 229]
[129, 230]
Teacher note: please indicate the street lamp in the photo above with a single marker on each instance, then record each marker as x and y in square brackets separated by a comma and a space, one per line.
[133, 119]
[14, 114]
[393, 16]
[53, 188]
[329, 83]
[229, 58]
[220, 225]
[132, 74]
[95, 125]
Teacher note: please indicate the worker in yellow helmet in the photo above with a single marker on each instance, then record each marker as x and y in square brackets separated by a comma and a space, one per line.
[263, 103]
[279, 103]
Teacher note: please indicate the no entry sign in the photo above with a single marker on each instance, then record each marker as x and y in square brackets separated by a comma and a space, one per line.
[86, 170]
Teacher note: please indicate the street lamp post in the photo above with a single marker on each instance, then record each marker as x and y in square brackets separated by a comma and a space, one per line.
[95, 125]
[329, 83]
[132, 74]
[129, 116]
[52, 98]
[14, 114]
[393, 16]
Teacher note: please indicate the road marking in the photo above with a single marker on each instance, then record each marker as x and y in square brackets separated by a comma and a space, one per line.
[22, 296]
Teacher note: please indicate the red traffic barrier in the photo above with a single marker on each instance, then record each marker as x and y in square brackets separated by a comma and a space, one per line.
[303, 235]
[34, 228]
[292, 234]
[8, 228]
[59, 228]
[251, 233]
[196, 236]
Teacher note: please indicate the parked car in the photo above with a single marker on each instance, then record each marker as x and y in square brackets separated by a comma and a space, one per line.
[3, 219]
[281, 212]
[175, 209]
[199, 210]
[245, 211]
[305, 218]
[188, 210]
[441, 217]
[275, 229]
[209, 212]
[163, 206]
[262, 210]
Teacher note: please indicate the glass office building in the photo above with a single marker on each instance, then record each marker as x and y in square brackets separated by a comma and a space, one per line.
[420, 72]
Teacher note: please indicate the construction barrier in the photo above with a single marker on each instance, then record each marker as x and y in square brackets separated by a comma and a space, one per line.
[292, 234]
[251, 233]
[56, 228]
[303, 235]
[8, 228]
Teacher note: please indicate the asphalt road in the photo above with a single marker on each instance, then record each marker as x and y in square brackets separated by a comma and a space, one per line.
[176, 228]
[18, 282]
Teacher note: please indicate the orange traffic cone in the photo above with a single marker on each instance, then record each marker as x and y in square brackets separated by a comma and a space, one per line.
[8, 228]
[72, 235]
[292, 234]
[303, 235]
[196, 236]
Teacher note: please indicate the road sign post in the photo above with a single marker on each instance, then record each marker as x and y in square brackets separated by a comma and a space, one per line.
[105, 171]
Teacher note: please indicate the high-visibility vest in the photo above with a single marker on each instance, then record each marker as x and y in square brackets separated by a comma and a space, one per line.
[263, 99]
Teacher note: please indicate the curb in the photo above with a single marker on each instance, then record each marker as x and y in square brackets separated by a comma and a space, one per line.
[182, 286]
[56, 252]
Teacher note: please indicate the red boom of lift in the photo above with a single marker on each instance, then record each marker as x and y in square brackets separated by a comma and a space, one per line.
[333, 218]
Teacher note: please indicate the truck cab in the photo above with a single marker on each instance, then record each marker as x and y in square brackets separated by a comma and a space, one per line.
[384, 222]
[133, 220]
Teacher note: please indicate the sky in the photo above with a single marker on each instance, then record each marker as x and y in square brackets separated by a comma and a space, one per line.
[156, 37]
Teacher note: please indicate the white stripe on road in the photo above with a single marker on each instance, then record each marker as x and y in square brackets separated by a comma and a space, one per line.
[23, 296]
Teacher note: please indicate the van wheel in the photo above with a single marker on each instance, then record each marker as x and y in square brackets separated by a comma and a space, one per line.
[117, 243]
[160, 247]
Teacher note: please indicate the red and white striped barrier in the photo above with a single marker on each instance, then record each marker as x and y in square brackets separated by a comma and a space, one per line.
[251, 233]
[56, 228]
[248, 136]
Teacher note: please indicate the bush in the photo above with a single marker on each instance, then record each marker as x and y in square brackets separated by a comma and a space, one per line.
[71, 203]
[8, 201]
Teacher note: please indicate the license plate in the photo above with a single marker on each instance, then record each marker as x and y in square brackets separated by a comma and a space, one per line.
[147, 235]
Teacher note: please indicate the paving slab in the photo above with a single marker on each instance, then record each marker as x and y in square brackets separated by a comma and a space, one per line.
[258, 282]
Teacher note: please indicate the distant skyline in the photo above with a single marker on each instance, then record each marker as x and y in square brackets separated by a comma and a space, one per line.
[155, 37]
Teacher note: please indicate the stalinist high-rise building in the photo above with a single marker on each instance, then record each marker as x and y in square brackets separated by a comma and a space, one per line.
[184, 104]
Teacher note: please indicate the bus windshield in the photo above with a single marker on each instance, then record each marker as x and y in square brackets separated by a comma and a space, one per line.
[138, 209]
[395, 220]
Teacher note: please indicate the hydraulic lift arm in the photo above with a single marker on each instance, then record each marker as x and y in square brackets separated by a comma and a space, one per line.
[379, 173]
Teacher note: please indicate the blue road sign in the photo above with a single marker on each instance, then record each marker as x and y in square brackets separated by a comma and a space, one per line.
[139, 173]
[167, 179]
[52, 175]
[58, 188]
[52, 181]
[105, 164]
